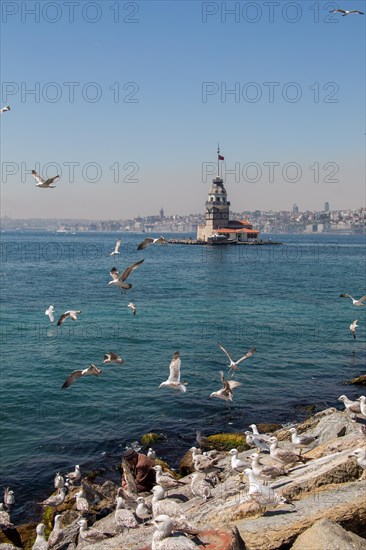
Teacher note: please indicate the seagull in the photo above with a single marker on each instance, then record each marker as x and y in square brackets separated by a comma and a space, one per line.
[360, 454]
[82, 505]
[42, 183]
[75, 475]
[226, 392]
[40, 542]
[55, 500]
[132, 307]
[57, 533]
[346, 12]
[59, 481]
[286, 456]
[5, 522]
[9, 498]
[163, 540]
[166, 480]
[354, 302]
[263, 495]
[116, 248]
[234, 364]
[4, 109]
[255, 431]
[161, 505]
[199, 486]
[91, 535]
[353, 327]
[301, 441]
[265, 471]
[236, 463]
[49, 312]
[351, 406]
[143, 511]
[256, 440]
[119, 279]
[148, 241]
[92, 369]
[174, 375]
[205, 464]
[71, 313]
[151, 453]
[124, 518]
[112, 357]
[362, 401]
[201, 439]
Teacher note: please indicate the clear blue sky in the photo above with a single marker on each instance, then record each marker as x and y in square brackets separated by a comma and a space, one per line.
[166, 123]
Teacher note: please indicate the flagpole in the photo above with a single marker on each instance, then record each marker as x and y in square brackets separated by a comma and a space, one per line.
[218, 161]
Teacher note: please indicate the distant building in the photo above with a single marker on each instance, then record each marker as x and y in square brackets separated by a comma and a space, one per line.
[161, 213]
[217, 227]
[295, 209]
[326, 207]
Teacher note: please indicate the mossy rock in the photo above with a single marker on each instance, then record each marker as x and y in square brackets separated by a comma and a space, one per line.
[186, 466]
[225, 442]
[47, 519]
[151, 438]
[23, 536]
[359, 380]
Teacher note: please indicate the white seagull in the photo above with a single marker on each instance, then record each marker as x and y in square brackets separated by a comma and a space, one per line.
[58, 481]
[46, 184]
[162, 538]
[116, 248]
[4, 109]
[9, 498]
[143, 511]
[174, 375]
[4, 518]
[50, 312]
[263, 495]
[236, 463]
[112, 357]
[234, 364]
[359, 302]
[123, 517]
[91, 534]
[360, 454]
[346, 12]
[57, 533]
[55, 500]
[353, 327]
[151, 453]
[119, 279]
[73, 314]
[132, 307]
[40, 542]
[351, 406]
[92, 369]
[301, 441]
[148, 241]
[362, 401]
[226, 392]
[75, 475]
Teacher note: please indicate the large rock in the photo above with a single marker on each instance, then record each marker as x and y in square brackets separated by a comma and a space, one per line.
[327, 535]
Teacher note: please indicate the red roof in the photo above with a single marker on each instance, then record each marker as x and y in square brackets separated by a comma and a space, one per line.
[243, 230]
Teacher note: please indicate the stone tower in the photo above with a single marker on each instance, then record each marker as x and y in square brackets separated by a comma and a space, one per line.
[217, 206]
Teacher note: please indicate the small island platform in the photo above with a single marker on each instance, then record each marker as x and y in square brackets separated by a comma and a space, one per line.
[221, 243]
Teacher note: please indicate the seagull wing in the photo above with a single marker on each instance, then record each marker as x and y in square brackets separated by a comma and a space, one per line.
[37, 177]
[74, 314]
[233, 384]
[335, 11]
[146, 242]
[174, 370]
[63, 317]
[51, 180]
[346, 296]
[114, 273]
[356, 11]
[250, 352]
[362, 299]
[127, 272]
[111, 355]
[72, 378]
[225, 351]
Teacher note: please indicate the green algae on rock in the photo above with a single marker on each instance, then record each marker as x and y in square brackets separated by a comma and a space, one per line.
[151, 438]
[359, 380]
[227, 441]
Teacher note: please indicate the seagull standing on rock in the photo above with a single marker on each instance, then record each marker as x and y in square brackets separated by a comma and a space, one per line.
[161, 505]
[263, 495]
[166, 480]
[124, 518]
[55, 500]
[5, 522]
[360, 454]
[265, 471]
[362, 401]
[199, 486]
[352, 406]
[163, 539]
[9, 498]
[286, 456]
[254, 440]
[58, 481]
[91, 535]
[57, 533]
[301, 441]
[142, 509]
[75, 475]
[40, 542]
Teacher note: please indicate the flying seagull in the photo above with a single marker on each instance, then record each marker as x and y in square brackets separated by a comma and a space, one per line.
[112, 357]
[116, 248]
[119, 280]
[355, 302]
[234, 364]
[174, 375]
[77, 373]
[226, 392]
[71, 313]
[49, 312]
[353, 327]
[347, 12]
[132, 307]
[148, 241]
[4, 109]
[44, 183]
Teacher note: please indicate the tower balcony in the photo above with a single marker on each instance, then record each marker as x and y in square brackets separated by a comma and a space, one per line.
[217, 203]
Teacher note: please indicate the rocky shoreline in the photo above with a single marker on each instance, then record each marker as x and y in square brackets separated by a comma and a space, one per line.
[327, 495]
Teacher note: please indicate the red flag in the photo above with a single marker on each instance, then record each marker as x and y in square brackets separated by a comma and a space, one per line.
[221, 158]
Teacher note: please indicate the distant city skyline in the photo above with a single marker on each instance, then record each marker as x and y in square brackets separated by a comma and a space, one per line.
[128, 102]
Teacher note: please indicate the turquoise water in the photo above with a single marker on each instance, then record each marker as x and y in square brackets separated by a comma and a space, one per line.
[284, 300]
